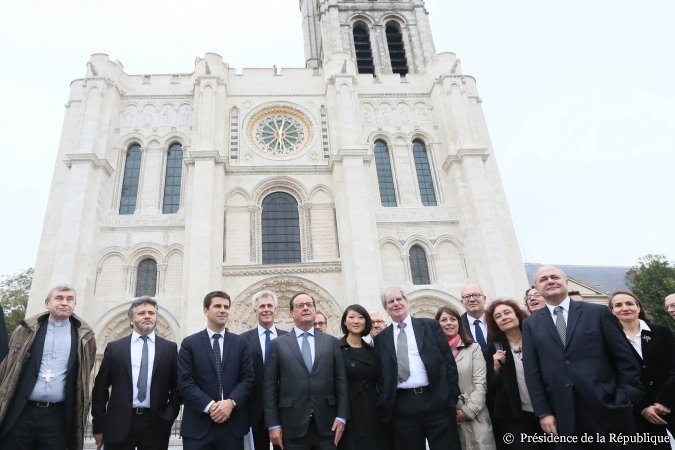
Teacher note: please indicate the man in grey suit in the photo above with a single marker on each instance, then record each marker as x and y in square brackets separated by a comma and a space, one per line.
[305, 386]
[260, 339]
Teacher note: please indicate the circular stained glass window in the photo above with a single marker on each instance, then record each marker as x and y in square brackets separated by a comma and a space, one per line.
[280, 132]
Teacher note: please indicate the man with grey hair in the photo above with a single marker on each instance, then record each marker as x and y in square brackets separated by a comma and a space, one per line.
[418, 381]
[379, 323]
[136, 411]
[670, 305]
[321, 322]
[473, 300]
[260, 338]
[44, 381]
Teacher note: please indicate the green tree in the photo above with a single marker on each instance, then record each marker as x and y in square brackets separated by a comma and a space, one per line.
[652, 280]
[14, 290]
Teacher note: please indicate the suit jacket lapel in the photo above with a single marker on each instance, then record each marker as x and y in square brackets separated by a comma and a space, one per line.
[127, 355]
[209, 350]
[646, 340]
[549, 324]
[159, 348]
[418, 329]
[226, 348]
[573, 317]
[295, 348]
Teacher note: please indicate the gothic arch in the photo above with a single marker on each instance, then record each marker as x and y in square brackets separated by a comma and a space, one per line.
[132, 138]
[392, 241]
[448, 238]
[425, 302]
[280, 184]
[243, 318]
[175, 137]
[114, 324]
[232, 198]
[145, 250]
[321, 190]
[360, 17]
[420, 240]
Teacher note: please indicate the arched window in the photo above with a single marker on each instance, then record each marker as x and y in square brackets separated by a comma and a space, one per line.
[423, 169]
[385, 179]
[172, 179]
[399, 63]
[132, 170]
[362, 49]
[419, 269]
[146, 278]
[280, 229]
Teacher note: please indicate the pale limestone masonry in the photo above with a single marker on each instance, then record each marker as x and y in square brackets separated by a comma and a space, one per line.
[352, 247]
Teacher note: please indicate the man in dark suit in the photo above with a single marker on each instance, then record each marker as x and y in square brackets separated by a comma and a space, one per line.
[215, 378]
[419, 382]
[140, 371]
[473, 300]
[260, 340]
[44, 381]
[306, 393]
[581, 374]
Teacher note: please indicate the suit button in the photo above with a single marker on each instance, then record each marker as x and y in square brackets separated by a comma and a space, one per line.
[567, 361]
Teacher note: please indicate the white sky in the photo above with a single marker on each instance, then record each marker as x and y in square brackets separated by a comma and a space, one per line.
[579, 98]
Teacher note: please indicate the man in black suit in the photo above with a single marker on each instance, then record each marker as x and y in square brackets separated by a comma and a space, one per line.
[306, 393]
[419, 382]
[581, 374]
[215, 378]
[140, 372]
[473, 300]
[260, 340]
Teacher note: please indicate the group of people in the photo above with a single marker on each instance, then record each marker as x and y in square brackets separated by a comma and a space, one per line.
[556, 373]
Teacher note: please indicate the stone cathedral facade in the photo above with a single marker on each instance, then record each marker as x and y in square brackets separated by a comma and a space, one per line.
[370, 167]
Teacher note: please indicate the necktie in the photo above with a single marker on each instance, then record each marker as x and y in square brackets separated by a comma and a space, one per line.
[142, 383]
[268, 340]
[402, 353]
[306, 351]
[479, 334]
[560, 324]
[219, 364]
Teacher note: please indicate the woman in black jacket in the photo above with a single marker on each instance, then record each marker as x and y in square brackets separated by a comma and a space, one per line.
[508, 400]
[653, 346]
[364, 429]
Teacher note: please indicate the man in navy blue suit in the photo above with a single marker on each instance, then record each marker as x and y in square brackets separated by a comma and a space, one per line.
[260, 339]
[581, 374]
[215, 377]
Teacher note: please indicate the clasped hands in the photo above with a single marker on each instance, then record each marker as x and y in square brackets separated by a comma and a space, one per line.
[221, 410]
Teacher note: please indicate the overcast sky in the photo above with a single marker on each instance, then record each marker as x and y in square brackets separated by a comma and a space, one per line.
[579, 98]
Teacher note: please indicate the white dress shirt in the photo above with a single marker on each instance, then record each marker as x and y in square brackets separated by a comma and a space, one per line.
[565, 306]
[418, 373]
[310, 339]
[136, 355]
[636, 341]
[482, 324]
[261, 337]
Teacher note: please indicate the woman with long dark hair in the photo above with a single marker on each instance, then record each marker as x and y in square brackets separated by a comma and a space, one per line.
[653, 346]
[509, 402]
[473, 418]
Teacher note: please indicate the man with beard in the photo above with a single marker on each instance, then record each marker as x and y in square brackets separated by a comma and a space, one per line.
[137, 411]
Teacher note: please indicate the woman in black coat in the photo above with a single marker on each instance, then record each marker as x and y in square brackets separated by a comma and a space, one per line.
[507, 397]
[364, 429]
[653, 346]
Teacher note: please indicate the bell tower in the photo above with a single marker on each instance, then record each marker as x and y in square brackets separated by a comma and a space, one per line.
[383, 36]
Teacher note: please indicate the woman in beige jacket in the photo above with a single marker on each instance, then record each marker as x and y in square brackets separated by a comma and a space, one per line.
[473, 419]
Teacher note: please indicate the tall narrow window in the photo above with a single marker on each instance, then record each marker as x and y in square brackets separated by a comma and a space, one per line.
[419, 269]
[385, 179]
[423, 169]
[146, 279]
[364, 53]
[174, 170]
[399, 63]
[280, 229]
[132, 170]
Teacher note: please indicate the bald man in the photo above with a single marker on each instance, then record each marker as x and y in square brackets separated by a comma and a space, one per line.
[581, 373]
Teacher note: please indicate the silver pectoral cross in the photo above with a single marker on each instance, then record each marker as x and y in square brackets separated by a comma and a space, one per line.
[48, 375]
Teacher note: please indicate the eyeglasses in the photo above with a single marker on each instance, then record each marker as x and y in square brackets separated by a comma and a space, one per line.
[475, 296]
[319, 324]
[378, 321]
[309, 305]
[535, 295]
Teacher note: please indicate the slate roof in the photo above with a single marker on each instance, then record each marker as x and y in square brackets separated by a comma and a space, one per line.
[605, 279]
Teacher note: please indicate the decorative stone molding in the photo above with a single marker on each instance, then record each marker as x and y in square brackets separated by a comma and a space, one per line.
[422, 214]
[88, 158]
[279, 132]
[279, 269]
[118, 327]
[465, 152]
[242, 316]
[152, 221]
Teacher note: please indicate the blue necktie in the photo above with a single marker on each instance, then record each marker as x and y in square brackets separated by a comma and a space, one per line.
[306, 351]
[268, 340]
[479, 335]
